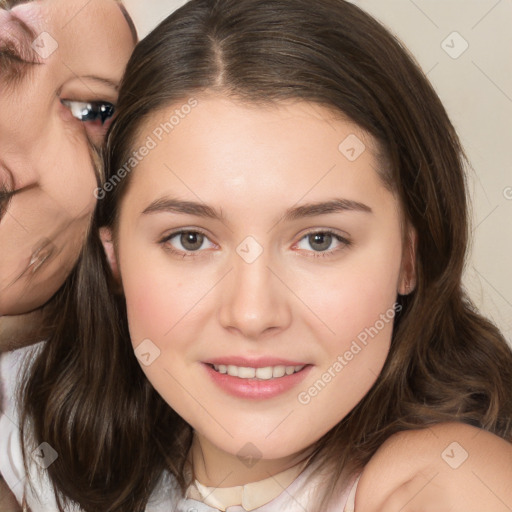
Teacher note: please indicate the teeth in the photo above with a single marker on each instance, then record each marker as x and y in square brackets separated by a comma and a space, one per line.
[233, 370]
[246, 373]
[266, 373]
[278, 371]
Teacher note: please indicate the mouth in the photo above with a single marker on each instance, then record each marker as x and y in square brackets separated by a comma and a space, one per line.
[262, 373]
[256, 378]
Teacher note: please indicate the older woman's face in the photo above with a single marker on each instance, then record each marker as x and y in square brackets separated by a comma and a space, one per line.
[54, 108]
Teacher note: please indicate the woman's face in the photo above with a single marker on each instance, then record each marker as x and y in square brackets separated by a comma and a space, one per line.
[228, 264]
[79, 50]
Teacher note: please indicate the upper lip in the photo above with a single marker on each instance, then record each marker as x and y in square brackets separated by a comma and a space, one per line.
[253, 362]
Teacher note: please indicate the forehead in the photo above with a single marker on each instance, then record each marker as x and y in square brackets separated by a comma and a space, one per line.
[79, 30]
[219, 117]
[227, 149]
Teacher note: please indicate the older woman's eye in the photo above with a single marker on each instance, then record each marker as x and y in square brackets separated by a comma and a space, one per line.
[90, 111]
[5, 197]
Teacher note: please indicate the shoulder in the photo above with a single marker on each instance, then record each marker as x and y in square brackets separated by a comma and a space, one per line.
[449, 466]
[11, 460]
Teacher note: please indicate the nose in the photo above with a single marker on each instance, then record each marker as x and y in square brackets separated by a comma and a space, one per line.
[254, 301]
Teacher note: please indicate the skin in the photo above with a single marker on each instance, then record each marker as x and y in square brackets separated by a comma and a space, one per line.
[255, 163]
[45, 151]
[408, 472]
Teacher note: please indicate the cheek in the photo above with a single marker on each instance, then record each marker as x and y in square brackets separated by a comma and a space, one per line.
[149, 303]
[68, 174]
[356, 304]
[353, 296]
[159, 297]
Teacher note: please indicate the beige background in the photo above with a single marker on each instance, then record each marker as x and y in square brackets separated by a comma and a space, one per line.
[476, 88]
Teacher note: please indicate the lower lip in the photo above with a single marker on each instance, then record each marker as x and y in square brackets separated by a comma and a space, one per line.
[256, 388]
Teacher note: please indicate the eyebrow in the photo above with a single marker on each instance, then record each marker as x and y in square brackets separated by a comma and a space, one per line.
[29, 35]
[338, 205]
[28, 31]
[17, 56]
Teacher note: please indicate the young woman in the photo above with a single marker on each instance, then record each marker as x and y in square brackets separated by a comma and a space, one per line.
[284, 223]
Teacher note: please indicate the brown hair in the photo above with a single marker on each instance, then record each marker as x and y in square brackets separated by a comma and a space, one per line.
[87, 395]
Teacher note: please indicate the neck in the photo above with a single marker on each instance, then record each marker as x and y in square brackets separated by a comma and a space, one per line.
[19, 331]
[214, 467]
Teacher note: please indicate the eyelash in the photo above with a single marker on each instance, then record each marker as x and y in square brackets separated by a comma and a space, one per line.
[188, 254]
[326, 254]
[5, 198]
[193, 254]
[6, 192]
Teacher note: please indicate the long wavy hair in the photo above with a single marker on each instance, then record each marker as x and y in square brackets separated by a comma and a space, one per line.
[86, 395]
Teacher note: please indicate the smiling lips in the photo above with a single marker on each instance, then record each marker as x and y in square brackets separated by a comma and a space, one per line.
[261, 378]
[265, 373]
[255, 368]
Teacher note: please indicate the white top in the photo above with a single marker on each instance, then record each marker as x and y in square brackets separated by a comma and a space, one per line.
[40, 497]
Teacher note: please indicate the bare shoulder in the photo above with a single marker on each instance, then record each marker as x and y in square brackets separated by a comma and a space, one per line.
[447, 467]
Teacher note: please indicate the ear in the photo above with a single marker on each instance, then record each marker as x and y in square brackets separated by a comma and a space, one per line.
[407, 280]
[108, 246]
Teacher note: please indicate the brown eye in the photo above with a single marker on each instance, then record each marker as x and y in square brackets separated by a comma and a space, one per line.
[187, 243]
[191, 241]
[320, 241]
[323, 243]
